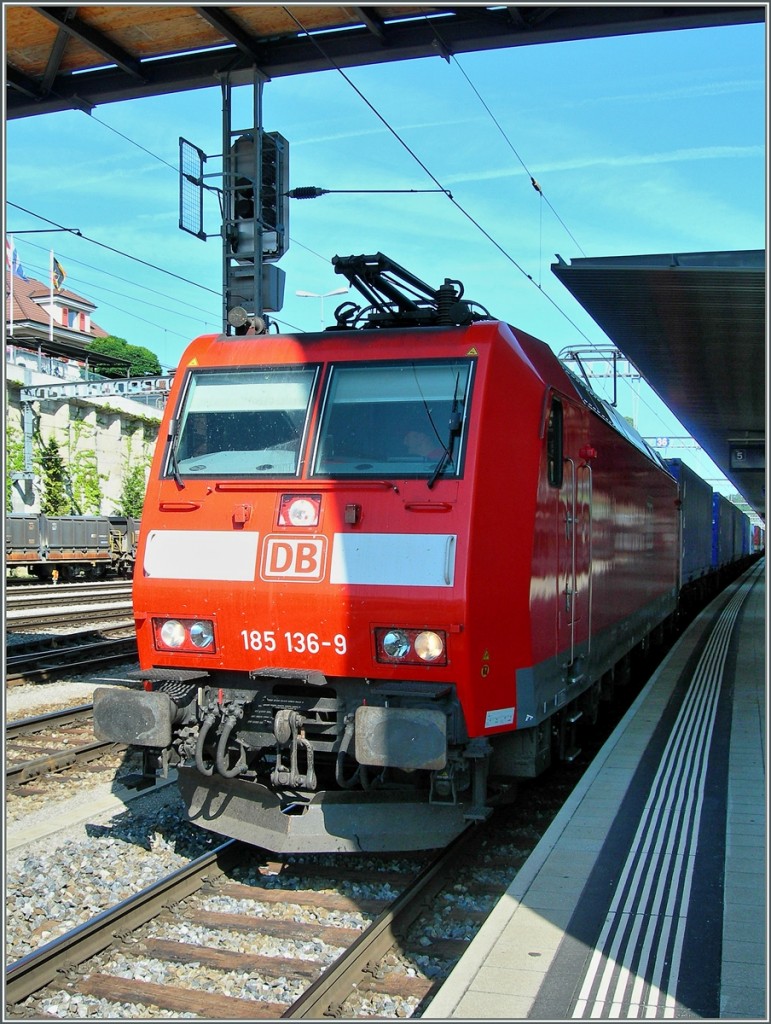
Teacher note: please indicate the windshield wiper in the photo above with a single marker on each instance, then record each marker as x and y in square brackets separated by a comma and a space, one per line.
[173, 437]
[456, 423]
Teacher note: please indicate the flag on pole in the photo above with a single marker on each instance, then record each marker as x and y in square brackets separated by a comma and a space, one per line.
[12, 261]
[18, 269]
[9, 249]
[57, 275]
[51, 278]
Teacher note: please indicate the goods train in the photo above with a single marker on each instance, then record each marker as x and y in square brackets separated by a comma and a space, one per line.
[70, 546]
[385, 569]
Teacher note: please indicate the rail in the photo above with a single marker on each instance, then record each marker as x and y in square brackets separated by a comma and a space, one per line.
[16, 774]
[27, 607]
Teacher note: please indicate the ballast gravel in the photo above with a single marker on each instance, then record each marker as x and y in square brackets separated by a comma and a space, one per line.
[85, 866]
[55, 885]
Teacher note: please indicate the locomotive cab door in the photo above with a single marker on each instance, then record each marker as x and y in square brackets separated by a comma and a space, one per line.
[574, 537]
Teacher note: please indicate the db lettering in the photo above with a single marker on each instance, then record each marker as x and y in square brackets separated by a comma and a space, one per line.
[297, 558]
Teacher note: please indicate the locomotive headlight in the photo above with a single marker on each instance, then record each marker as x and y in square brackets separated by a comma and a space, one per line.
[202, 634]
[172, 633]
[299, 510]
[396, 643]
[184, 635]
[399, 645]
[429, 645]
[303, 513]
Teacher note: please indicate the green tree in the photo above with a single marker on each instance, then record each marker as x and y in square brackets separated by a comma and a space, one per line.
[132, 495]
[55, 501]
[14, 461]
[143, 362]
[86, 483]
[85, 480]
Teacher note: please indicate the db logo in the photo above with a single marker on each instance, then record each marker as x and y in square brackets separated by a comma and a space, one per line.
[302, 559]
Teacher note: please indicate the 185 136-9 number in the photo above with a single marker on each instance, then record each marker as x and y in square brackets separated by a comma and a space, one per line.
[290, 641]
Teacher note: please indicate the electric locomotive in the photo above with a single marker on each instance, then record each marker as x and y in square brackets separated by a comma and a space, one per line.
[384, 569]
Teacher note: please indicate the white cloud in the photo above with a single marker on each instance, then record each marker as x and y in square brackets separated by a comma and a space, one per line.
[699, 91]
[628, 160]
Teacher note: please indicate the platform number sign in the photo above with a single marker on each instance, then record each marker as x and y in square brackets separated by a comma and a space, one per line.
[750, 456]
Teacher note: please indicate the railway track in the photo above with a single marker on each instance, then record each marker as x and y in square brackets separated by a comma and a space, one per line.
[52, 742]
[29, 607]
[40, 659]
[185, 900]
[228, 933]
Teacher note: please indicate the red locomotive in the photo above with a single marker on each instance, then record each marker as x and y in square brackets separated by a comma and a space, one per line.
[383, 571]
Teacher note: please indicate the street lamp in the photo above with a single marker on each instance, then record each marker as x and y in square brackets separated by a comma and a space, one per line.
[326, 295]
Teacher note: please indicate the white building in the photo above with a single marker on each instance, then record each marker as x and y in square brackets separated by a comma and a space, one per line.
[100, 438]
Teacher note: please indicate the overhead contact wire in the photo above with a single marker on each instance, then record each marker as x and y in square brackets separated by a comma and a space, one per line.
[448, 193]
[536, 185]
[118, 252]
[430, 174]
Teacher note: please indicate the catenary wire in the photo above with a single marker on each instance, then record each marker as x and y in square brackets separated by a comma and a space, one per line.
[398, 138]
[536, 185]
[118, 252]
[461, 209]
[414, 156]
[110, 291]
[333, 64]
[102, 289]
[162, 160]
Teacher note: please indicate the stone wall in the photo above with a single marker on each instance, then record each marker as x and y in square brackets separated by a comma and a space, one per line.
[110, 434]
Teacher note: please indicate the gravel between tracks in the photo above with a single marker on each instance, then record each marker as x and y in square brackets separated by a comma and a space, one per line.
[75, 860]
[71, 858]
[67, 857]
[33, 813]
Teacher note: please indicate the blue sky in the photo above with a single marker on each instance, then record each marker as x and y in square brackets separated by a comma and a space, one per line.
[641, 144]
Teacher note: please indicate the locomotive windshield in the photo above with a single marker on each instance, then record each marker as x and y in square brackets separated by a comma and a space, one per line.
[393, 419]
[244, 422]
[385, 419]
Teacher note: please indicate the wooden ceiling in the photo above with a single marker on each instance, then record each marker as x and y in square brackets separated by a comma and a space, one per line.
[69, 57]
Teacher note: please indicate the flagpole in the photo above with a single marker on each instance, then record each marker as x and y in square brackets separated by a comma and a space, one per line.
[51, 307]
[11, 275]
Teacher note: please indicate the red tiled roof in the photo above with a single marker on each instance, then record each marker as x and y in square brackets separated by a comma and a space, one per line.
[26, 310]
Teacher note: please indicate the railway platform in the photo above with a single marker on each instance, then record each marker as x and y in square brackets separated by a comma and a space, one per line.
[647, 897]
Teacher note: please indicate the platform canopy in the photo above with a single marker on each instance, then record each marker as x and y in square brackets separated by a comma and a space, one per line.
[77, 57]
[694, 325]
